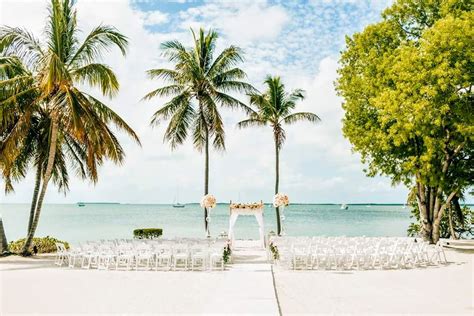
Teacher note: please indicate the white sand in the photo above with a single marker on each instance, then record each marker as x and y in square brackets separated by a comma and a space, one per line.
[37, 286]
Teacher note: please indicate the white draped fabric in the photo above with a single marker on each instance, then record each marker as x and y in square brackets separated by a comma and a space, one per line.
[257, 212]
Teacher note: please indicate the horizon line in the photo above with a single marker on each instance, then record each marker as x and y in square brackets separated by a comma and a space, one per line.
[190, 203]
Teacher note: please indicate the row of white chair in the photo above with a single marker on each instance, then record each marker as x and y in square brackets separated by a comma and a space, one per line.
[175, 254]
[353, 252]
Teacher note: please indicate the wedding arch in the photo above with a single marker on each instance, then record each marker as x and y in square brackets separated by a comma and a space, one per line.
[255, 209]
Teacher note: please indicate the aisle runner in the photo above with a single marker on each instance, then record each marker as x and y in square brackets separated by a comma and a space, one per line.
[249, 252]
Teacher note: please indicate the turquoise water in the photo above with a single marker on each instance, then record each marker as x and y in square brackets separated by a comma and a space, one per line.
[107, 221]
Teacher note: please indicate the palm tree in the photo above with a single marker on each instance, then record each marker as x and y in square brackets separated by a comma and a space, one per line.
[33, 151]
[54, 71]
[274, 108]
[11, 69]
[198, 84]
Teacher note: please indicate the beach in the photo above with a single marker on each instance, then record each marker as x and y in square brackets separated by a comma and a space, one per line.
[37, 286]
[213, 157]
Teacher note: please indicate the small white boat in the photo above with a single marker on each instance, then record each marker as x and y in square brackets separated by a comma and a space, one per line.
[176, 203]
[344, 207]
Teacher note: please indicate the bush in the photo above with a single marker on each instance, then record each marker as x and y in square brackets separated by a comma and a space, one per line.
[44, 244]
[227, 253]
[147, 233]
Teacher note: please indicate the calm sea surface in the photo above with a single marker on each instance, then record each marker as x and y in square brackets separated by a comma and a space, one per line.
[107, 221]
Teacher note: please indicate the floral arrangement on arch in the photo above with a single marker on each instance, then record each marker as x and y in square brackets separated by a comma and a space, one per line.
[208, 201]
[280, 199]
[251, 206]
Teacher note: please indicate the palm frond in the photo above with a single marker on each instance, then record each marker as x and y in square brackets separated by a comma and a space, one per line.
[227, 59]
[214, 122]
[171, 107]
[99, 40]
[177, 129]
[169, 75]
[61, 30]
[21, 43]
[238, 86]
[164, 91]
[301, 116]
[98, 75]
[108, 116]
[200, 130]
[231, 102]
[251, 122]
[175, 52]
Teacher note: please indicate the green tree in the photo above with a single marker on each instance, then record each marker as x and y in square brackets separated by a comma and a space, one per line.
[407, 88]
[55, 69]
[198, 85]
[274, 108]
[11, 71]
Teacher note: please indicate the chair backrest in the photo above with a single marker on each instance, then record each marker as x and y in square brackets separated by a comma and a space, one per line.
[197, 248]
[180, 248]
[60, 248]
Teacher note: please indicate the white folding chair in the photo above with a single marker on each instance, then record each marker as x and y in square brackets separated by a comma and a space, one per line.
[180, 256]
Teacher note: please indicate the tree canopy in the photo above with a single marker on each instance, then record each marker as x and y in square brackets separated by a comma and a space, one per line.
[407, 87]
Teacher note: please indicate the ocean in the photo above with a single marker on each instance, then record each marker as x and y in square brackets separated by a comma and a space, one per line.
[74, 224]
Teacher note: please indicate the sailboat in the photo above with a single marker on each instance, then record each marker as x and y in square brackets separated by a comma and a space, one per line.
[344, 207]
[176, 202]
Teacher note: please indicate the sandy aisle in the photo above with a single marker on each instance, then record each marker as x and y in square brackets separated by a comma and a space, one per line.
[35, 286]
[436, 290]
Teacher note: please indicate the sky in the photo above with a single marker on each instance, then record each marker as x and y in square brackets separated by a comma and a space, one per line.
[297, 40]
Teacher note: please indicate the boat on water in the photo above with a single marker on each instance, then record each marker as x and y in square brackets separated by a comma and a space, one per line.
[176, 203]
[81, 204]
[344, 206]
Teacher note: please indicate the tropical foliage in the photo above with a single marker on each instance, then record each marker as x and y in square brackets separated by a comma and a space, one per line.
[46, 119]
[198, 85]
[407, 88]
[147, 233]
[43, 244]
[274, 108]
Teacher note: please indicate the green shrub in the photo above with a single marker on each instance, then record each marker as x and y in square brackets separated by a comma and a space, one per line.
[274, 250]
[147, 233]
[44, 244]
[226, 254]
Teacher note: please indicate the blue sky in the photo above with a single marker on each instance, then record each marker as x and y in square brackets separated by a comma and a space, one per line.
[298, 40]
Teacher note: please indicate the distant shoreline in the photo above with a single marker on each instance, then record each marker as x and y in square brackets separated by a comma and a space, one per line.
[219, 203]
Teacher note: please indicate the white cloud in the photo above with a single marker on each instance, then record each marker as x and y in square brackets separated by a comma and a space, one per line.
[154, 17]
[241, 22]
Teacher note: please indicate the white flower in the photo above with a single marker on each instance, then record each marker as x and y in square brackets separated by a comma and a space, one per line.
[208, 201]
[280, 199]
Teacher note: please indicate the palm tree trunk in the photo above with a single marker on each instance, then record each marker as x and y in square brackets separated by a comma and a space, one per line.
[35, 196]
[277, 182]
[206, 177]
[452, 232]
[46, 178]
[3, 239]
